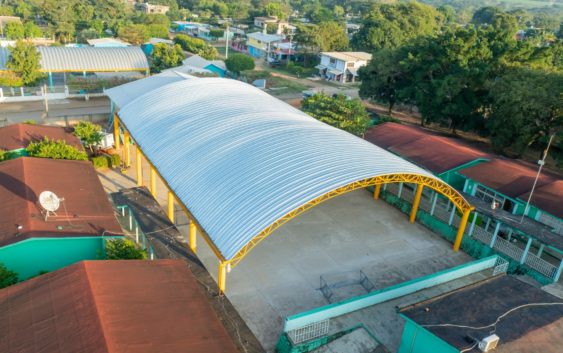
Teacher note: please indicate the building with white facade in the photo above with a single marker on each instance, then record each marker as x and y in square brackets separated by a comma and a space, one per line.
[342, 67]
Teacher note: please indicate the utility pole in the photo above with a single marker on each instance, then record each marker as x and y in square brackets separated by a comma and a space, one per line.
[227, 42]
[541, 162]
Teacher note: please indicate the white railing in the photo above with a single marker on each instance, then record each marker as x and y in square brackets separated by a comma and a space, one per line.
[479, 233]
[309, 332]
[501, 266]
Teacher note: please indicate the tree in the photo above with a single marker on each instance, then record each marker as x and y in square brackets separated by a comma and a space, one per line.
[526, 108]
[338, 11]
[134, 34]
[6, 10]
[97, 24]
[208, 52]
[157, 19]
[89, 134]
[273, 9]
[158, 31]
[14, 30]
[221, 9]
[322, 14]
[272, 28]
[165, 57]
[55, 150]
[308, 40]
[24, 11]
[217, 33]
[10, 79]
[237, 11]
[25, 59]
[389, 26]
[86, 34]
[239, 62]
[485, 14]
[332, 36]
[448, 12]
[340, 111]
[31, 30]
[123, 249]
[7, 277]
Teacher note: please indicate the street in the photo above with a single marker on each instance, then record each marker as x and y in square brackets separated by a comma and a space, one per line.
[18, 112]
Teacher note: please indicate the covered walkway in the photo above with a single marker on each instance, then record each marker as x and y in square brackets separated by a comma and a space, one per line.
[241, 163]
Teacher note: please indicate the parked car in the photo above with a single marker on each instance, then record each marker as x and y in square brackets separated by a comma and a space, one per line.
[308, 94]
[276, 63]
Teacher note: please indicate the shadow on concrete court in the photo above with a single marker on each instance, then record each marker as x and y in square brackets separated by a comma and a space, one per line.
[280, 277]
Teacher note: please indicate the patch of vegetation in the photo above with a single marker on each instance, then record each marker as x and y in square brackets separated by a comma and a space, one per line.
[55, 150]
[106, 161]
[123, 249]
[6, 155]
[278, 82]
[30, 122]
[7, 277]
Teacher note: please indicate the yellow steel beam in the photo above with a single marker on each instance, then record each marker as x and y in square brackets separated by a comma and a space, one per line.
[222, 277]
[127, 150]
[421, 180]
[193, 236]
[139, 166]
[376, 193]
[415, 203]
[116, 131]
[171, 206]
[461, 228]
[153, 182]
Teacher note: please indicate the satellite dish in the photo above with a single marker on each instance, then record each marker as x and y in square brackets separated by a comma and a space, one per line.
[50, 202]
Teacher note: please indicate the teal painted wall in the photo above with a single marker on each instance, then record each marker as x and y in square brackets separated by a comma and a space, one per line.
[214, 68]
[454, 179]
[30, 256]
[424, 341]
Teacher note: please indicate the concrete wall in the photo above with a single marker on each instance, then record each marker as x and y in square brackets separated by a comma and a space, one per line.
[71, 120]
[416, 339]
[30, 256]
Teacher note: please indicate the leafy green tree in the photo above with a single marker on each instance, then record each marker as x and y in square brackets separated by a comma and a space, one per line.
[338, 11]
[340, 111]
[522, 16]
[6, 10]
[239, 62]
[87, 34]
[485, 14]
[31, 30]
[89, 134]
[272, 28]
[6, 155]
[208, 52]
[388, 26]
[526, 108]
[221, 9]
[14, 30]
[24, 11]
[123, 249]
[158, 31]
[55, 150]
[157, 19]
[10, 79]
[273, 9]
[25, 59]
[332, 36]
[322, 14]
[448, 12]
[237, 11]
[308, 41]
[217, 33]
[7, 277]
[134, 34]
[97, 24]
[165, 57]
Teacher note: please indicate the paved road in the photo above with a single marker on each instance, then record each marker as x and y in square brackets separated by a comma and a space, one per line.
[18, 112]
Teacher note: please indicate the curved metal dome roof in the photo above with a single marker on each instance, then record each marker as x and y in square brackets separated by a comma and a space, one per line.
[240, 159]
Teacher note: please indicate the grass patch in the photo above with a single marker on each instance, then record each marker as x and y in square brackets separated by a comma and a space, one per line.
[221, 51]
[278, 82]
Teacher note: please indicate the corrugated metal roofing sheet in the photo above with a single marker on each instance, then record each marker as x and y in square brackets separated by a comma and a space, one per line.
[92, 59]
[4, 53]
[240, 159]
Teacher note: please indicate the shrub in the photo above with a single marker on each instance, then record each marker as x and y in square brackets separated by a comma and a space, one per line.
[386, 118]
[217, 33]
[6, 155]
[88, 133]
[298, 69]
[55, 150]
[123, 249]
[106, 161]
[7, 278]
[30, 122]
[290, 65]
[189, 44]
[115, 160]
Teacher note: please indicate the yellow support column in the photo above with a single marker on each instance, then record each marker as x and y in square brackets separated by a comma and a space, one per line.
[126, 146]
[171, 206]
[116, 131]
[376, 193]
[193, 236]
[153, 182]
[222, 277]
[139, 167]
[416, 202]
[461, 229]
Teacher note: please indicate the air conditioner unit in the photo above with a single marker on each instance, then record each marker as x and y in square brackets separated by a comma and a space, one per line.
[489, 343]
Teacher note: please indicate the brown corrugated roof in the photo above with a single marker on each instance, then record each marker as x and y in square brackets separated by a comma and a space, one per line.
[436, 153]
[548, 198]
[526, 330]
[23, 179]
[511, 178]
[111, 306]
[17, 136]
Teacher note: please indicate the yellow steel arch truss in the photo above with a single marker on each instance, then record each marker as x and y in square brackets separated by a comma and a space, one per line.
[432, 183]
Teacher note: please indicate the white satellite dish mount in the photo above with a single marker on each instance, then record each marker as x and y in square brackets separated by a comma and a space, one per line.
[50, 203]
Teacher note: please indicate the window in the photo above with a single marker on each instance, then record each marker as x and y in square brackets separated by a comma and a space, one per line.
[259, 42]
[489, 196]
[332, 62]
[349, 64]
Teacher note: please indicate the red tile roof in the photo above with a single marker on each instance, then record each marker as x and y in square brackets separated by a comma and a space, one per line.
[548, 198]
[17, 136]
[23, 179]
[435, 153]
[111, 306]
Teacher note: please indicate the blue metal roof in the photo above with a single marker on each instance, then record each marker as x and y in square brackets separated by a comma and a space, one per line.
[240, 159]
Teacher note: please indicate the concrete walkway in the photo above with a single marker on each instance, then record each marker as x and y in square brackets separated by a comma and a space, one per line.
[280, 276]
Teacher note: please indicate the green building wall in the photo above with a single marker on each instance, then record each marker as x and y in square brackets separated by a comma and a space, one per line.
[454, 179]
[417, 339]
[30, 256]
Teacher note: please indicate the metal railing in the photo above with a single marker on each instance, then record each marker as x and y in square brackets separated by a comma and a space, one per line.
[479, 233]
[144, 239]
[501, 266]
[309, 332]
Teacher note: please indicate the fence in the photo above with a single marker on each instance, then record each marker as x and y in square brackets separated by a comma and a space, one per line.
[18, 94]
[144, 238]
[309, 332]
[435, 207]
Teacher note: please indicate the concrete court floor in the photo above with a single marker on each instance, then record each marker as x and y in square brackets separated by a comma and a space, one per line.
[280, 276]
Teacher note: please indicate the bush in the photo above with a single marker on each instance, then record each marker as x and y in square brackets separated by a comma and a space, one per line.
[88, 133]
[106, 161]
[298, 69]
[30, 122]
[55, 150]
[290, 65]
[7, 278]
[217, 33]
[189, 44]
[386, 118]
[6, 155]
[239, 62]
[123, 249]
